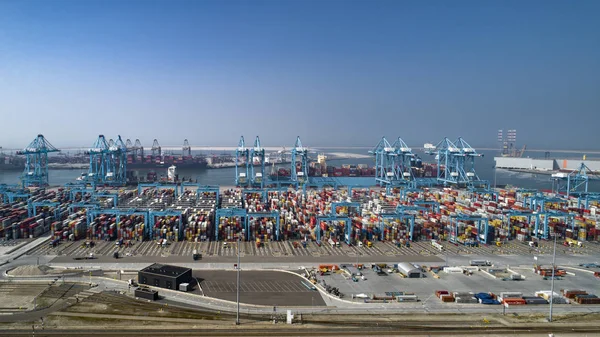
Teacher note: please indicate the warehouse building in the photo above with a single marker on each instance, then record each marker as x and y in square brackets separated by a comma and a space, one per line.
[409, 270]
[164, 276]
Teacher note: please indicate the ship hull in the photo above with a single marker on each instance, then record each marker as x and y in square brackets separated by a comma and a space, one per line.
[9, 167]
[134, 166]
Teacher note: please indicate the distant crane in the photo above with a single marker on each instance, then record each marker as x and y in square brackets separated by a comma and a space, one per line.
[156, 150]
[241, 163]
[139, 150]
[257, 152]
[404, 157]
[385, 159]
[573, 182]
[520, 154]
[186, 149]
[116, 163]
[97, 153]
[299, 173]
[36, 165]
[458, 160]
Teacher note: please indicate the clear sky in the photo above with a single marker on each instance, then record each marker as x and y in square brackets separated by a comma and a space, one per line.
[333, 72]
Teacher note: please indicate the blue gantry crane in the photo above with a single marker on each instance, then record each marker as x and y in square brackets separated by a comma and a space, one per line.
[93, 213]
[583, 198]
[152, 215]
[456, 163]
[116, 164]
[98, 153]
[347, 225]
[299, 165]
[242, 163]
[386, 172]
[482, 228]
[404, 158]
[530, 216]
[257, 176]
[32, 207]
[573, 182]
[74, 207]
[36, 163]
[228, 213]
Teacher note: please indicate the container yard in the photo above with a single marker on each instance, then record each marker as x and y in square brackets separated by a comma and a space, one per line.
[397, 211]
[157, 219]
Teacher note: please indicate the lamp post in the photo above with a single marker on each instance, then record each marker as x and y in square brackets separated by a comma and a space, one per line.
[552, 284]
[237, 318]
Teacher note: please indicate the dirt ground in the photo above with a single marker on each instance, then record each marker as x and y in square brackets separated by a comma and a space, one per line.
[33, 270]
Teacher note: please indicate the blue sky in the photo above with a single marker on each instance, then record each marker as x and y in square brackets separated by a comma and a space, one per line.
[333, 72]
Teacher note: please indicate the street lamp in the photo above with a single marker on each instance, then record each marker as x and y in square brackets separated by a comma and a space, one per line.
[552, 284]
[237, 318]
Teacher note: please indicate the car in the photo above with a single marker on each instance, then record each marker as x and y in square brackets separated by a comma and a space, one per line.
[589, 265]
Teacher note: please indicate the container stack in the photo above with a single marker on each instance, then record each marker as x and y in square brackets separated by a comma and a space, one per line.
[131, 227]
[166, 227]
[199, 225]
[230, 228]
[444, 295]
[465, 297]
[231, 199]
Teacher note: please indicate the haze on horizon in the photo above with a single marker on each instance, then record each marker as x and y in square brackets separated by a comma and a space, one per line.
[335, 73]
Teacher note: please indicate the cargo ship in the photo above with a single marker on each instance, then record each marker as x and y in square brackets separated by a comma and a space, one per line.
[321, 169]
[11, 163]
[165, 161]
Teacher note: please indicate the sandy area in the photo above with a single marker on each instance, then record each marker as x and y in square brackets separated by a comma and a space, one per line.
[32, 270]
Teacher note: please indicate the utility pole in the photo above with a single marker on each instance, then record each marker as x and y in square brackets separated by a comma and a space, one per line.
[237, 318]
[552, 285]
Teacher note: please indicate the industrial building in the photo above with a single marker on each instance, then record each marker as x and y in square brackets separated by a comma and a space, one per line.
[164, 276]
[526, 163]
[409, 270]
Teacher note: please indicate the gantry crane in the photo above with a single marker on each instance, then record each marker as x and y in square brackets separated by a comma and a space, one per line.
[574, 182]
[139, 149]
[299, 166]
[36, 164]
[257, 175]
[133, 148]
[458, 160]
[385, 159]
[241, 164]
[156, 150]
[404, 158]
[116, 174]
[186, 149]
[467, 161]
[98, 153]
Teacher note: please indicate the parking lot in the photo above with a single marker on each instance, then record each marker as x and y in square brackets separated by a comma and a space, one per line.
[259, 287]
[479, 281]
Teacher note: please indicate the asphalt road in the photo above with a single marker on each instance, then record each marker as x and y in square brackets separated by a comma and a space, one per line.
[258, 287]
[251, 259]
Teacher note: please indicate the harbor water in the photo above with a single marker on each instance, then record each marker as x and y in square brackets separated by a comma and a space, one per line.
[225, 176]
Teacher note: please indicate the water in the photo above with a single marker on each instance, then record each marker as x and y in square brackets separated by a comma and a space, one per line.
[225, 176]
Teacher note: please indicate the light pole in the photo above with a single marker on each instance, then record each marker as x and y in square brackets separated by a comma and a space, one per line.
[552, 284]
[237, 318]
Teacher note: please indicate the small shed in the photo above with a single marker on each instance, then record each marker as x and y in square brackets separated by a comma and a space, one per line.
[409, 270]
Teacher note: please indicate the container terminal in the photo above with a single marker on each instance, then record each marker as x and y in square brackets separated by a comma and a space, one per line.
[393, 205]
[340, 234]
